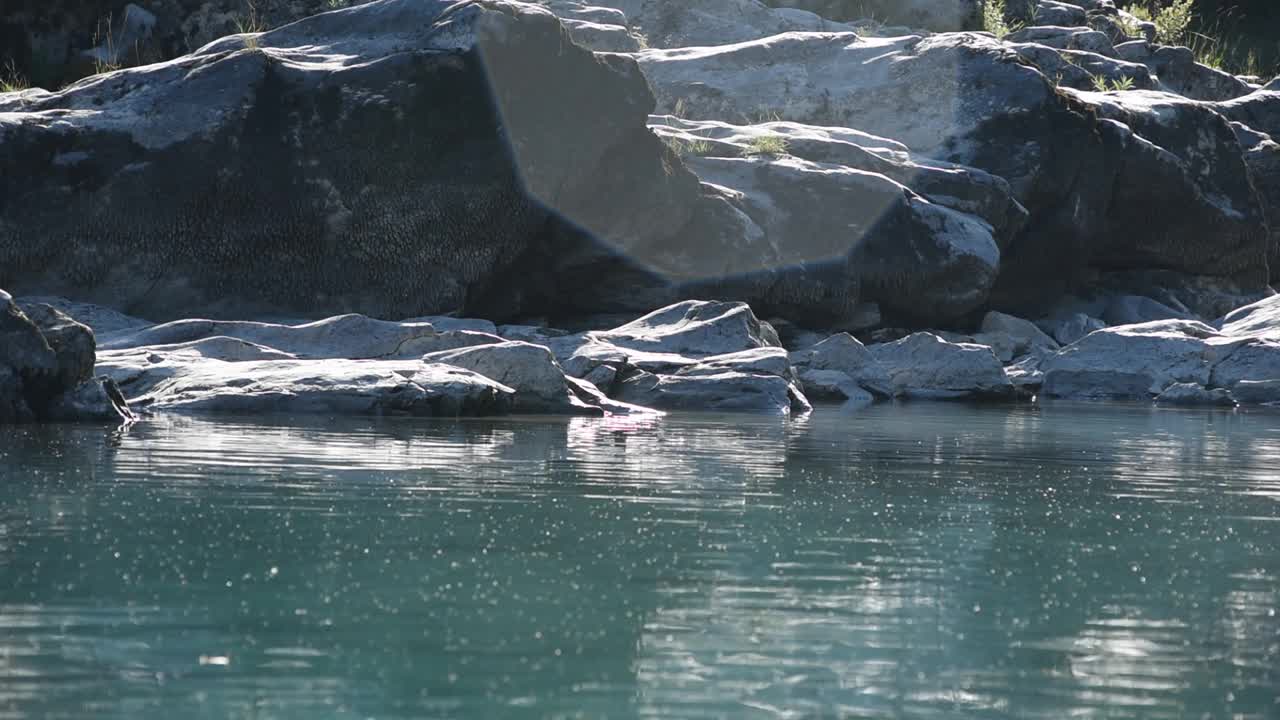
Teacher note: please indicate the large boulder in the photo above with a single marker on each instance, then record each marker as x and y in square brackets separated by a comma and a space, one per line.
[843, 368]
[46, 368]
[332, 387]
[694, 355]
[310, 169]
[830, 218]
[531, 370]
[1145, 360]
[1109, 183]
[73, 343]
[924, 366]
[1161, 353]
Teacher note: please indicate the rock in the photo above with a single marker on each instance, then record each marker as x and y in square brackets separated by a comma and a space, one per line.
[1114, 359]
[1132, 310]
[96, 399]
[831, 223]
[72, 343]
[1097, 385]
[531, 370]
[694, 328]
[103, 321]
[46, 367]
[530, 333]
[1192, 395]
[925, 366]
[1259, 320]
[336, 387]
[1124, 180]
[290, 204]
[1262, 156]
[833, 385]
[448, 323]
[692, 23]
[1253, 360]
[13, 400]
[1071, 328]
[22, 347]
[726, 391]
[1025, 374]
[1064, 38]
[932, 15]
[1050, 13]
[1183, 179]
[1081, 69]
[123, 36]
[602, 376]
[1181, 74]
[352, 337]
[594, 27]
[844, 354]
[1257, 392]
[1026, 337]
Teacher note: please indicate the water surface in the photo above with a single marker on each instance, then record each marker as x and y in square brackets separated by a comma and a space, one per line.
[910, 561]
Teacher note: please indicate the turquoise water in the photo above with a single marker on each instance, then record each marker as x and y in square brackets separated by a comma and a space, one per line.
[910, 561]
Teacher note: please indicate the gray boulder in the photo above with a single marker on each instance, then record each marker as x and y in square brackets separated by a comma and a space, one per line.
[726, 390]
[1107, 181]
[695, 328]
[334, 387]
[1025, 336]
[259, 147]
[846, 356]
[827, 219]
[531, 370]
[932, 15]
[1070, 328]
[22, 348]
[1164, 353]
[1257, 392]
[352, 337]
[1192, 395]
[1135, 309]
[1257, 320]
[46, 369]
[1097, 385]
[73, 344]
[925, 366]
[693, 23]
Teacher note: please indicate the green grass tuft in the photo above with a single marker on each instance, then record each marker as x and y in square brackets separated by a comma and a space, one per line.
[767, 145]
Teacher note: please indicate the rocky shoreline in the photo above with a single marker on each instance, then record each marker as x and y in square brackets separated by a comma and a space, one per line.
[694, 355]
[867, 210]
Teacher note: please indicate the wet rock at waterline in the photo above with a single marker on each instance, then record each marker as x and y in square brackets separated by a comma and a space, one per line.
[46, 368]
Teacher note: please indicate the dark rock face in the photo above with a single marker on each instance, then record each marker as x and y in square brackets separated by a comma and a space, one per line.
[72, 343]
[412, 177]
[1111, 181]
[46, 369]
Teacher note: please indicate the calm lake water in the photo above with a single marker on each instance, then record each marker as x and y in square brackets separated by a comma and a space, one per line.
[910, 561]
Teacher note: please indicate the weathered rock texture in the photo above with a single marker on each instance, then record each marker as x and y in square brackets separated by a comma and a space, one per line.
[396, 158]
[46, 368]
